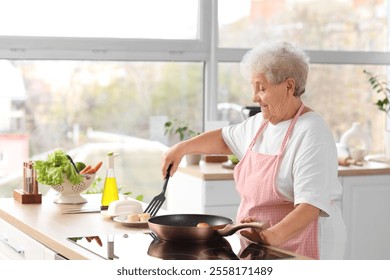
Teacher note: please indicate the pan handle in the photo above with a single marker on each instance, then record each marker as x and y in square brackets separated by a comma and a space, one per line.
[230, 229]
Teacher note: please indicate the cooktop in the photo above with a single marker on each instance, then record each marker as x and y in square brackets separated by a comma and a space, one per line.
[147, 245]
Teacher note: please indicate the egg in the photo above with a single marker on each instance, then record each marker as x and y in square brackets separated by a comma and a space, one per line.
[144, 217]
[132, 218]
[202, 225]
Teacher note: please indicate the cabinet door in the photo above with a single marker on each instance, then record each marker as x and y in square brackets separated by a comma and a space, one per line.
[366, 211]
[16, 245]
[188, 194]
[221, 192]
[185, 194]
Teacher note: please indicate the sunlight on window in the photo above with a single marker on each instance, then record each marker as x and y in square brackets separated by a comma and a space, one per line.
[152, 19]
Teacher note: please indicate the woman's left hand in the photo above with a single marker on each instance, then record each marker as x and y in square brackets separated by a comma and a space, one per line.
[262, 236]
[294, 223]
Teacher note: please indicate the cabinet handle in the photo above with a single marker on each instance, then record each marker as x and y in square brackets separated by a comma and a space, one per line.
[9, 245]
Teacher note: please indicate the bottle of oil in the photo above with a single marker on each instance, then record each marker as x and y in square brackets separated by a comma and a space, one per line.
[110, 189]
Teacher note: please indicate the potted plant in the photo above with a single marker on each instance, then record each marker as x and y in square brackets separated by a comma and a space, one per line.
[381, 88]
[181, 128]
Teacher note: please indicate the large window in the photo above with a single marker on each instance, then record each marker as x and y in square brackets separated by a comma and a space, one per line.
[91, 77]
[69, 97]
[96, 76]
[90, 107]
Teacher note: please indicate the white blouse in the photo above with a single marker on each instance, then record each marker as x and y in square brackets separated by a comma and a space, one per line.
[308, 172]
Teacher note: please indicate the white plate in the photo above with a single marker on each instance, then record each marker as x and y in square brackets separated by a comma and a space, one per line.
[107, 215]
[123, 220]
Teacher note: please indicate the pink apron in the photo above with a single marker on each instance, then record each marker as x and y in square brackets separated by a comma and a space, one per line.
[255, 177]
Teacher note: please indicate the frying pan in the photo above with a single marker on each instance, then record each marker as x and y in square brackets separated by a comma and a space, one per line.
[183, 227]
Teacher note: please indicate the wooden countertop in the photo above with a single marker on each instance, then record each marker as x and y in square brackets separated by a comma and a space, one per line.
[215, 171]
[46, 224]
[208, 171]
[368, 168]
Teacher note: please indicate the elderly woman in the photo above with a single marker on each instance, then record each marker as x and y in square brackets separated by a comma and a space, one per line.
[287, 174]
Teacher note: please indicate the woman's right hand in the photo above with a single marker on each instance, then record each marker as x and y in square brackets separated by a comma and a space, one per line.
[210, 142]
[173, 156]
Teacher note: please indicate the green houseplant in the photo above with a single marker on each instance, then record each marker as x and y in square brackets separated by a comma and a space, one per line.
[381, 88]
[181, 128]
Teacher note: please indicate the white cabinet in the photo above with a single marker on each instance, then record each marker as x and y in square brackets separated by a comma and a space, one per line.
[16, 245]
[189, 194]
[366, 211]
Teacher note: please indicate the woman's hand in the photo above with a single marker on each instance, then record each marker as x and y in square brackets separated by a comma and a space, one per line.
[96, 238]
[210, 142]
[294, 223]
[173, 156]
[262, 236]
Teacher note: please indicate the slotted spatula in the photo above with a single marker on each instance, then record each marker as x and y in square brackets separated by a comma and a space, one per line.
[158, 200]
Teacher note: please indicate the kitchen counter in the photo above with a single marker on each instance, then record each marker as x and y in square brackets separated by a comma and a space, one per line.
[46, 224]
[215, 171]
[368, 168]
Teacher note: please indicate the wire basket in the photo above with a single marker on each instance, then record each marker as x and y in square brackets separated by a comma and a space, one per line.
[71, 193]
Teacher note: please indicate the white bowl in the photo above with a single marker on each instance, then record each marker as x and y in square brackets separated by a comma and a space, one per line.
[69, 193]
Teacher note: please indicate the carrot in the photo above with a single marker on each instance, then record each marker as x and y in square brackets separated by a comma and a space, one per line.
[94, 169]
[90, 171]
[88, 167]
[97, 167]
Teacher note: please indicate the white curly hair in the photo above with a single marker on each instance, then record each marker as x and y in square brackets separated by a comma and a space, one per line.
[277, 61]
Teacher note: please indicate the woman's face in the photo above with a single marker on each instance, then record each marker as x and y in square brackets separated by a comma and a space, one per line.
[274, 99]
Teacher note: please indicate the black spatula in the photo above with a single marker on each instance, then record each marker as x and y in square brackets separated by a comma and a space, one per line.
[158, 200]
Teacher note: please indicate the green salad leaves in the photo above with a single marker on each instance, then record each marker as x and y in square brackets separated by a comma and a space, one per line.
[51, 171]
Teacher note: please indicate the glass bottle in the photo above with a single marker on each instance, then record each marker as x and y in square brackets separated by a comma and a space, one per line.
[110, 189]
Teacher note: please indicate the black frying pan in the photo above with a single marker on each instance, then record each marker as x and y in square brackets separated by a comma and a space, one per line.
[184, 227]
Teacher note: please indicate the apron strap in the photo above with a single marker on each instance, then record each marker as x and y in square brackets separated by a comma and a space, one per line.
[288, 133]
[290, 128]
[263, 125]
